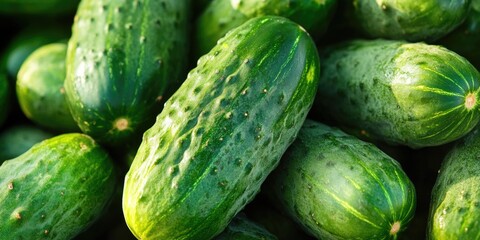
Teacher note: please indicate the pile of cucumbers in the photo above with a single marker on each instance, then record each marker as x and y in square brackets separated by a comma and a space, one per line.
[239, 119]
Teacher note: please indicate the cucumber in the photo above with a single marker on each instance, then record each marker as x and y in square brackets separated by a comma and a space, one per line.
[465, 38]
[56, 189]
[4, 98]
[220, 16]
[242, 228]
[40, 90]
[17, 139]
[339, 187]
[455, 201]
[222, 132]
[38, 7]
[402, 93]
[123, 60]
[411, 20]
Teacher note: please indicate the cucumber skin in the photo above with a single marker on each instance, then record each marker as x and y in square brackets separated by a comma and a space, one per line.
[40, 90]
[4, 98]
[414, 21]
[464, 39]
[220, 16]
[17, 139]
[455, 204]
[389, 91]
[222, 132]
[123, 60]
[56, 189]
[242, 228]
[325, 170]
[38, 7]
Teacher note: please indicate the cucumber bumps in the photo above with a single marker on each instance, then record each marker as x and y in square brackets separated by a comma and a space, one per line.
[222, 132]
[411, 94]
[123, 60]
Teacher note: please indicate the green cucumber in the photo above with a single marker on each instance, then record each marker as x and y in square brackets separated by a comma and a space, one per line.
[17, 139]
[411, 20]
[56, 189]
[4, 97]
[464, 39]
[220, 16]
[40, 90]
[242, 228]
[222, 132]
[455, 201]
[403, 93]
[339, 187]
[123, 60]
[38, 7]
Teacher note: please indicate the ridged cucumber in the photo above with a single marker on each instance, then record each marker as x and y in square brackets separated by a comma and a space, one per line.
[411, 94]
[56, 189]
[455, 202]
[222, 132]
[123, 60]
[40, 90]
[339, 187]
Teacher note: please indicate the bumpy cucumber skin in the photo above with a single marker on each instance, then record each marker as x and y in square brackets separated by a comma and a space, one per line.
[455, 203]
[220, 16]
[339, 187]
[56, 189]
[17, 139]
[410, 94]
[38, 7]
[242, 228]
[4, 98]
[464, 39]
[123, 60]
[412, 20]
[222, 132]
[40, 90]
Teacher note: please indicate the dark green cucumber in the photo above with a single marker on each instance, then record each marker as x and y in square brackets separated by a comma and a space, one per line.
[411, 94]
[339, 187]
[38, 7]
[455, 202]
[124, 59]
[411, 20]
[222, 132]
[220, 16]
[56, 189]
[464, 39]
[4, 97]
[242, 228]
[40, 90]
[17, 139]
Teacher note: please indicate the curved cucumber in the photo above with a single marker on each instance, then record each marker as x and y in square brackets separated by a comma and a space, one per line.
[411, 20]
[338, 187]
[56, 189]
[123, 60]
[222, 132]
[220, 16]
[403, 93]
[40, 90]
[455, 202]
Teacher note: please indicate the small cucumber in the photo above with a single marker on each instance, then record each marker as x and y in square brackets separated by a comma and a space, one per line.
[455, 202]
[40, 90]
[56, 189]
[222, 132]
[17, 139]
[411, 94]
[339, 187]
